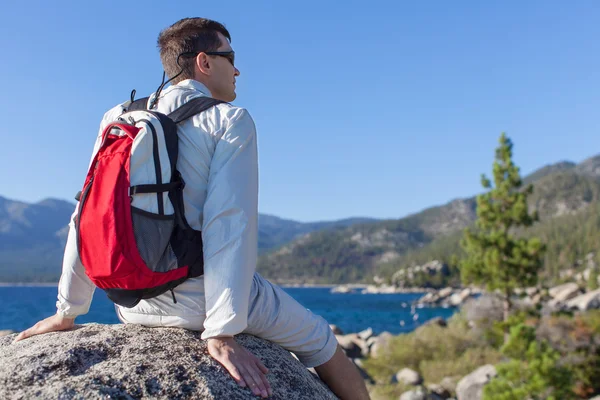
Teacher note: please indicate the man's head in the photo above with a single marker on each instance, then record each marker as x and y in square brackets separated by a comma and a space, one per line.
[201, 47]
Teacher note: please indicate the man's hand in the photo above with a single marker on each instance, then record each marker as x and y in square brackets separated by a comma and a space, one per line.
[50, 324]
[243, 366]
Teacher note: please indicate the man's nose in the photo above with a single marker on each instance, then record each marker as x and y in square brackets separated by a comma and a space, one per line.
[237, 72]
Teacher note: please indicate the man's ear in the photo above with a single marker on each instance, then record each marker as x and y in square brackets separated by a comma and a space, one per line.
[202, 64]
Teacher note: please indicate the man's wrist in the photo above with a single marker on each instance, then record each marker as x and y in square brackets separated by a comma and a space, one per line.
[223, 338]
[64, 317]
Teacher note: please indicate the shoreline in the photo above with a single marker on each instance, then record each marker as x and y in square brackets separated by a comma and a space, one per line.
[28, 284]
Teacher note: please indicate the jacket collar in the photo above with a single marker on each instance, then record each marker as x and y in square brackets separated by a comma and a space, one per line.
[194, 85]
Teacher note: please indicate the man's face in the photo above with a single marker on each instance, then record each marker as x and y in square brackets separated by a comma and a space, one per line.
[221, 81]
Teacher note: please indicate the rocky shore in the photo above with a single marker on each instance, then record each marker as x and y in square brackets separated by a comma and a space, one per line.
[476, 306]
[573, 299]
[362, 345]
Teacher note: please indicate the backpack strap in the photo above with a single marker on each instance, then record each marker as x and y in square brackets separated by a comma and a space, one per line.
[139, 104]
[193, 107]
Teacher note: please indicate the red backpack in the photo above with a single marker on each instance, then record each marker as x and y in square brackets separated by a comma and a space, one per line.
[132, 236]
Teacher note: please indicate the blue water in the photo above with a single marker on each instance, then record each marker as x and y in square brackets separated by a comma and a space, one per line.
[23, 306]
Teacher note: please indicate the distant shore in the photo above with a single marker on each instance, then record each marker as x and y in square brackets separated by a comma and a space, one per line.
[31, 284]
[286, 285]
[318, 285]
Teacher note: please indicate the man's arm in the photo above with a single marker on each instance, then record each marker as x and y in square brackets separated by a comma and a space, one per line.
[75, 289]
[229, 233]
[230, 227]
[75, 292]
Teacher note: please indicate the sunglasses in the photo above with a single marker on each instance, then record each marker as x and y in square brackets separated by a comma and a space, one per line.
[229, 55]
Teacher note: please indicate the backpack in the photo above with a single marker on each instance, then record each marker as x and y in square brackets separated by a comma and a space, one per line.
[132, 235]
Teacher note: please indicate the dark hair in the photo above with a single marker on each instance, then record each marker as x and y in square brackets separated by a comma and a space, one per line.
[189, 35]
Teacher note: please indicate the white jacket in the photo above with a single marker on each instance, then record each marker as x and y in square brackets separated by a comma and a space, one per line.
[218, 161]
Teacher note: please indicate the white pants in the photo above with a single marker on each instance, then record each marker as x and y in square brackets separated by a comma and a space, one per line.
[272, 315]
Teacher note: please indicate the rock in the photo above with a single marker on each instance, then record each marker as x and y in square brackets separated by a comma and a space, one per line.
[408, 376]
[531, 291]
[458, 298]
[366, 334]
[449, 383]
[439, 391]
[482, 312]
[415, 394]
[381, 343]
[471, 386]
[567, 273]
[586, 273]
[382, 289]
[341, 289]
[585, 302]
[336, 330]
[439, 321]
[564, 292]
[552, 306]
[429, 298]
[353, 345]
[536, 299]
[371, 341]
[442, 294]
[6, 332]
[94, 361]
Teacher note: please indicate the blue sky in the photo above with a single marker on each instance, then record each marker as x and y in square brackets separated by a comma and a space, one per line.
[374, 108]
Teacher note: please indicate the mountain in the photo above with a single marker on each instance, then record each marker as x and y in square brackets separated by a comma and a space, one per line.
[360, 251]
[274, 231]
[33, 236]
[549, 169]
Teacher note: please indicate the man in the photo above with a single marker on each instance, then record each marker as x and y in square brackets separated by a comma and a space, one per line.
[218, 161]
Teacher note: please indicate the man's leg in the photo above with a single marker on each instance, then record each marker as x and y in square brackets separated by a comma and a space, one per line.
[276, 316]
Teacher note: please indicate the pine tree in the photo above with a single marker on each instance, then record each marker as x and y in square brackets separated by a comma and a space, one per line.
[494, 255]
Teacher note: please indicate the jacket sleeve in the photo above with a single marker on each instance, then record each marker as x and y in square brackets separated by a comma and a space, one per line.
[230, 227]
[75, 289]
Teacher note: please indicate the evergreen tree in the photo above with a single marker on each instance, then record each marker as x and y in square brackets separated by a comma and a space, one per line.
[494, 255]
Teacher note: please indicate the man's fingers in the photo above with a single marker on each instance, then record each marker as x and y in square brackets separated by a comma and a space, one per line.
[234, 372]
[249, 379]
[21, 336]
[261, 366]
[254, 376]
[264, 370]
[242, 365]
[50, 324]
[27, 333]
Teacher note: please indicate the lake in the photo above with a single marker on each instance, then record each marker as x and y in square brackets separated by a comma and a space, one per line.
[23, 306]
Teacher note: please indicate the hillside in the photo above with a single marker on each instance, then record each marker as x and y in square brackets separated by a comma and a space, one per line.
[275, 231]
[359, 252]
